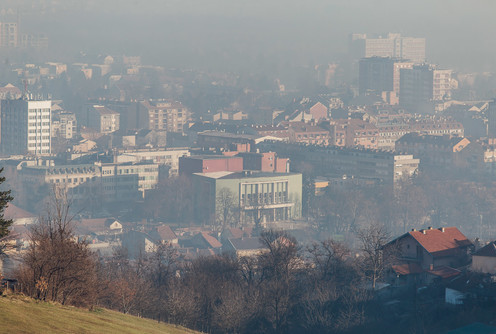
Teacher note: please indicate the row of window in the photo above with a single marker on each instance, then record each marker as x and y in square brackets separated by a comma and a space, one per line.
[39, 117]
[34, 137]
[72, 180]
[39, 124]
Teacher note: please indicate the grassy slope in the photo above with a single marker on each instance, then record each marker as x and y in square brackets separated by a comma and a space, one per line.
[24, 315]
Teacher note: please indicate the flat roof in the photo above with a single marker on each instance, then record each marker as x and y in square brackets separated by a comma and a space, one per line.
[212, 157]
[243, 174]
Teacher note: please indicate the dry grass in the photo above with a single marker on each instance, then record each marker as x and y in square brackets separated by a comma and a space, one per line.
[19, 314]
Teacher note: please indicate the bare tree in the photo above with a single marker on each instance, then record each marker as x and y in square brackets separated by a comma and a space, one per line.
[58, 266]
[376, 257]
[227, 208]
[278, 267]
[256, 207]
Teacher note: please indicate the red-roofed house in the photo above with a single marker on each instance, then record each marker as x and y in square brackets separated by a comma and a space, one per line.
[434, 253]
[431, 248]
[164, 234]
[430, 254]
[203, 240]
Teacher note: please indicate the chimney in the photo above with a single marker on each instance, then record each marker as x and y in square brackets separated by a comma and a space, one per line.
[441, 229]
[430, 227]
[414, 230]
[423, 231]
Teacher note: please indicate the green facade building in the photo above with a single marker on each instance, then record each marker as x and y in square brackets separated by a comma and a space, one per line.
[247, 197]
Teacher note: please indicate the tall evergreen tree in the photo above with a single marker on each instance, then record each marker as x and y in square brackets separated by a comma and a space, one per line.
[5, 198]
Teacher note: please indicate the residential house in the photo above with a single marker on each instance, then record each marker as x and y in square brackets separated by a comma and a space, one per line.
[100, 227]
[235, 233]
[244, 247]
[430, 252]
[163, 234]
[484, 259]
[138, 244]
[204, 240]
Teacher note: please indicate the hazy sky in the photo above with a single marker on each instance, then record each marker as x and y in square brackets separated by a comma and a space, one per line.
[231, 33]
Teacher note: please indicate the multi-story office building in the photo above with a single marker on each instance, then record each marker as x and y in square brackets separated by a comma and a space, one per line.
[423, 84]
[164, 115]
[125, 181]
[270, 196]
[392, 45]
[380, 74]
[26, 127]
[169, 158]
[112, 182]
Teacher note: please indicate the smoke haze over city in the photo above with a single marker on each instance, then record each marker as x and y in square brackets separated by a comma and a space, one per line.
[235, 34]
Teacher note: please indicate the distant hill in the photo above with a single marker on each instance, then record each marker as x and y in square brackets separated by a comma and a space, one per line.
[19, 314]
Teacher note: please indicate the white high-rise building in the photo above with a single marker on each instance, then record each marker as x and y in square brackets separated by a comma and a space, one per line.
[392, 45]
[26, 127]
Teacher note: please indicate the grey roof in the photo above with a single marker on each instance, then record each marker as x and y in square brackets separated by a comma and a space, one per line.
[246, 243]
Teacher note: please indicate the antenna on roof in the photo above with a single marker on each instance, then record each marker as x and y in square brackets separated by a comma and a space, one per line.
[25, 93]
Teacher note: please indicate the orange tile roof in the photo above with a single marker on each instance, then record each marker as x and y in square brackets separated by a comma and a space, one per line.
[407, 269]
[444, 272]
[440, 243]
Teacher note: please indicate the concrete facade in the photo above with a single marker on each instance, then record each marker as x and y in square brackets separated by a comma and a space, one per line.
[278, 196]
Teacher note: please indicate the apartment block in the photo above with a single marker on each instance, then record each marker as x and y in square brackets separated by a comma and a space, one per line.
[103, 119]
[309, 133]
[9, 34]
[64, 125]
[374, 165]
[163, 115]
[354, 133]
[390, 132]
